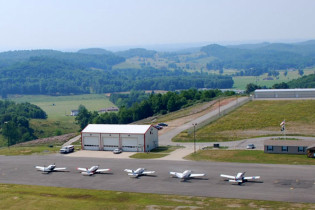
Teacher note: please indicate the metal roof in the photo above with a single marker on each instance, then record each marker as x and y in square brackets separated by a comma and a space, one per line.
[300, 143]
[115, 128]
[285, 90]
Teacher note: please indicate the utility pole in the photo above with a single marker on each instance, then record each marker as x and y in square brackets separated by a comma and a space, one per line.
[194, 124]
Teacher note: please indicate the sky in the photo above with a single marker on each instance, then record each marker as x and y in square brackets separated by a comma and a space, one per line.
[75, 24]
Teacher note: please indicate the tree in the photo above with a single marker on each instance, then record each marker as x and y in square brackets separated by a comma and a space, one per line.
[83, 117]
[251, 87]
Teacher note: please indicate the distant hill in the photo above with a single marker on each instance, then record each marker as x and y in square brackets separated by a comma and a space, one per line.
[136, 52]
[257, 59]
[95, 51]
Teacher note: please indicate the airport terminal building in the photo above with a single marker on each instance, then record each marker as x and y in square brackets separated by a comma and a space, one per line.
[285, 93]
[129, 138]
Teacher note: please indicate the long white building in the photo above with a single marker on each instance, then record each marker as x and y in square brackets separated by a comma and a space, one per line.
[285, 93]
[131, 138]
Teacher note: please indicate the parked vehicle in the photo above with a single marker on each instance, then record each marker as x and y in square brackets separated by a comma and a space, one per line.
[117, 151]
[67, 149]
[251, 146]
[158, 127]
[163, 124]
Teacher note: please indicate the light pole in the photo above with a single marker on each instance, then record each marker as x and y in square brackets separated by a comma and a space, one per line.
[194, 124]
[6, 124]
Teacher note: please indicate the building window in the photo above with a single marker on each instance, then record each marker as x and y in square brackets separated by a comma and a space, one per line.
[284, 148]
[301, 149]
[269, 148]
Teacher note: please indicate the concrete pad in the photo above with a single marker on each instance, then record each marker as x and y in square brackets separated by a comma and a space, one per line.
[100, 154]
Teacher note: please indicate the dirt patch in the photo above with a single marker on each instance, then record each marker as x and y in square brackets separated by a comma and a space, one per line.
[50, 140]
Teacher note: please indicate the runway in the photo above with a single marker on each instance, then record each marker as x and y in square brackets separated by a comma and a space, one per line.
[278, 182]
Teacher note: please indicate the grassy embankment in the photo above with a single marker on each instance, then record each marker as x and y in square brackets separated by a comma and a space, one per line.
[249, 156]
[258, 118]
[39, 197]
[156, 153]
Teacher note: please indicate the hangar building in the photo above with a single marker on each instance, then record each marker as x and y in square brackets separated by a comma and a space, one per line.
[129, 138]
[285, 93]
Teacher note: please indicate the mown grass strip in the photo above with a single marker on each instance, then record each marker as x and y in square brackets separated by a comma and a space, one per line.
[250, 156]
[256, 119]
[39, 197]
[158, 152]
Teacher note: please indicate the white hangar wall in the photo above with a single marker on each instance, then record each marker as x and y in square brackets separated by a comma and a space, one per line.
[285, 93]
[130, 138]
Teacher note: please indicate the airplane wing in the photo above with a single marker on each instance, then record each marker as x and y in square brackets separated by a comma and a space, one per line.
[40, 168]
[128, 170]
[197, 175]
[59, 169]
[102, 170]
[178, 175]
[251, 177]
[227, 176]
[82, 169]
[148, 172]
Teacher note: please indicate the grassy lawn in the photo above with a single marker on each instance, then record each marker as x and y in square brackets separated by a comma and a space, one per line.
[258, 118]
[40, 197]
[250, 156]
[156, 153]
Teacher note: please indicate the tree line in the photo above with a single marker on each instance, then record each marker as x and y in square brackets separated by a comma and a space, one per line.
[154, 104]
[14, 120]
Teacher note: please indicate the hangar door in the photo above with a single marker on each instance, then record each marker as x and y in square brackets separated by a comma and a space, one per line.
[130, 144]
[91, 143]
[110, 143]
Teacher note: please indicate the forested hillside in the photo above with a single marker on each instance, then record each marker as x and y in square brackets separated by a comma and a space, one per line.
[14, 120]
[303, 82]
[70, 73]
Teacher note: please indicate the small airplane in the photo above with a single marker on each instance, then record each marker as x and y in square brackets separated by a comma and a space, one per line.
[92, 170]
[50, 168]
[240, 178]
[138, 172]
[185, 175]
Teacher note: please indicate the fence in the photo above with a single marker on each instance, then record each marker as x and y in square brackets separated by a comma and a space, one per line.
[220, 113]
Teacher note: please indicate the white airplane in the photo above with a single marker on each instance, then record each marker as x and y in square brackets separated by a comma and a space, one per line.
[50, 168]
[240, 178]
[138, 172]
[185, 175]
[92, 170]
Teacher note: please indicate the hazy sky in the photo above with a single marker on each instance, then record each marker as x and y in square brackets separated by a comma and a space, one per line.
[73, 24]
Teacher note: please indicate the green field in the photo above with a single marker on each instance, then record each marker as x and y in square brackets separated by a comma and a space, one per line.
[240, 82]
[258, 118]
[249, 156]
[39, 197]
[58, 109]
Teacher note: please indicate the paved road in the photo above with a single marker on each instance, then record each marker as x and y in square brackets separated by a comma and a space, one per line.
[166, 139]
[281, 182]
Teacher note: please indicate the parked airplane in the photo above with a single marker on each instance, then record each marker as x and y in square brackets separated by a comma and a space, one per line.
[240, 178]
[50, 168]
[92, 170]
[185, 175]
[138, 172]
